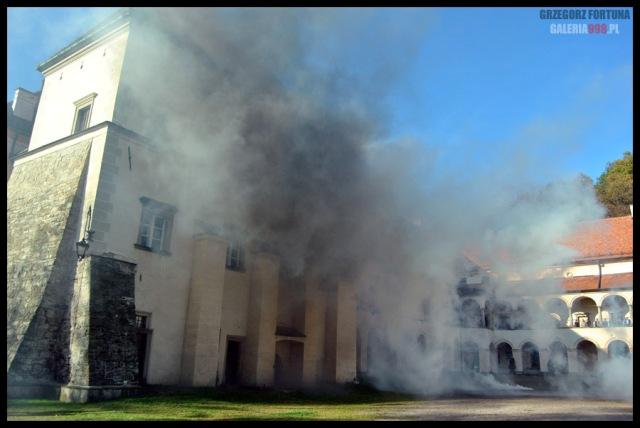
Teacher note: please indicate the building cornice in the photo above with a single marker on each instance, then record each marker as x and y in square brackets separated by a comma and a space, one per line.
[97, 34]
[106, 124]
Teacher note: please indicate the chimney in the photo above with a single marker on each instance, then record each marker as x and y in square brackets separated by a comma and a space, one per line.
[24, 104]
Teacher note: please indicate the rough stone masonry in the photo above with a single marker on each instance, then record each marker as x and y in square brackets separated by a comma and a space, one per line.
[44, 349]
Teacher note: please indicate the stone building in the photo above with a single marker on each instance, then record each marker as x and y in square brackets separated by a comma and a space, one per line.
[551, 329]
[20, 114]
[548, 331]
[111, 283]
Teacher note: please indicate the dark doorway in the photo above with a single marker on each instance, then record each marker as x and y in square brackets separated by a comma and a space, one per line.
[506, 363]
[288, 364]
[232, 362]
[143, 334]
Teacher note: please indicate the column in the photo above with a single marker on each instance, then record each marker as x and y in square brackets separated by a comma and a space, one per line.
[572, 357]
[544, 360]
[517, 355]
[314, 323]
[346, 317]
[485, 360]
[200, 353]
[258, 354]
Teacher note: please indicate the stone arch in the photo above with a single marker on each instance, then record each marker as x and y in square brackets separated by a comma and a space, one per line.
[530, 358]
[469, 357]
[504, 354]
[558, 311]
[614, 308]
[470, 314]
[502, 315]
[583, 312]
[618, 349]
[558, 358]
[587, 355]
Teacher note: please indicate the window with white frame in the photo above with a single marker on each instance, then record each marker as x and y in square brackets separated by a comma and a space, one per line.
[235, 256]
[82, 117]
[156, 222]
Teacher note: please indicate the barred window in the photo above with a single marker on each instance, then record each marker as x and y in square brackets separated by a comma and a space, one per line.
[141, 321]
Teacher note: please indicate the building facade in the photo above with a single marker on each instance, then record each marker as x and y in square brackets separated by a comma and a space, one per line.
[112, 283]
[556, 329]
[564, 331]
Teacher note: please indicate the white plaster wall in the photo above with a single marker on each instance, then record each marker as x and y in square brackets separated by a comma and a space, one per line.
[67, 82]
[235, 303]
[162, 281]
[592, 269]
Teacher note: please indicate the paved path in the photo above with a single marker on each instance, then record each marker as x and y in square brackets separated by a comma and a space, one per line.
[512, 408]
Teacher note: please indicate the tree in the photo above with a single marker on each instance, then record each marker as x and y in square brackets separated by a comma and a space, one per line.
[614, 187]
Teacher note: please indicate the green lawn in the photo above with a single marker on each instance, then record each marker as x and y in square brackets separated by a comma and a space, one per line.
[359, 404]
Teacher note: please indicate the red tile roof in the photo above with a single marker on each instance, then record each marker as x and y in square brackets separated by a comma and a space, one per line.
[619, 280]
[608, 237]
[605, 238]
[581, 283]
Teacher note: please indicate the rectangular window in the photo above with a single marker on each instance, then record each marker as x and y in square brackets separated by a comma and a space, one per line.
[235, 256]
[82, 119]
[83, 113]
[141, 321]
[156, 221]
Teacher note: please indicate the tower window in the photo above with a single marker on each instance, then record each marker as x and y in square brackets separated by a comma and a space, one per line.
[83, 113]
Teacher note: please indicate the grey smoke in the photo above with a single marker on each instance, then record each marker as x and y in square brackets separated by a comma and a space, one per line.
[278, 133]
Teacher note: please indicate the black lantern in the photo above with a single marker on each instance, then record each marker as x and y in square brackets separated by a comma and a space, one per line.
[81, 248]
[83, 245]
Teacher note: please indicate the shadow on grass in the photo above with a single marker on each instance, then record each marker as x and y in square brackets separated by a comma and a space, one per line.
[351, 394]
[201, 403]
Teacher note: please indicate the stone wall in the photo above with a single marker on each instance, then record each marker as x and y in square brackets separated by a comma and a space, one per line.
[44, 199]
[103, 330]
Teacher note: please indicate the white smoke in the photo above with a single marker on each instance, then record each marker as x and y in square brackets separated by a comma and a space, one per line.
[271, 127]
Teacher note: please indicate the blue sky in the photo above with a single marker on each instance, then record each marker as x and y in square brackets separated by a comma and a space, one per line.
[479, 80]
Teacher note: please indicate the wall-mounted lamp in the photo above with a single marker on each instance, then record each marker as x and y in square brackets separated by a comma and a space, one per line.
[83, 245]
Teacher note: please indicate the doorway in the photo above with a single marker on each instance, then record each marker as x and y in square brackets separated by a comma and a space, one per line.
[288, 364]
[232, 362]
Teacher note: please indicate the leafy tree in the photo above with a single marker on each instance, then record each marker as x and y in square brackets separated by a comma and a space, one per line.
[614, 187]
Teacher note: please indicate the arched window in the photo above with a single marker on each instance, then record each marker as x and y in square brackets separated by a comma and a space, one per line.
[583, 312]
[618, 349]
[614, 310]
[502, 316]
[470, 314]
[530, 358]
[506, 363]
[558, 312]
[587, 355]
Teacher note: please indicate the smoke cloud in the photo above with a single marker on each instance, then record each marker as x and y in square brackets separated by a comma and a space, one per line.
[280, 124]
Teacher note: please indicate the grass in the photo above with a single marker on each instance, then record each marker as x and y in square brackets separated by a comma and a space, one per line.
[355, 404]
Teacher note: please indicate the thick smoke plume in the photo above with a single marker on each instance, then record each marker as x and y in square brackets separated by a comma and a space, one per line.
[279, 133]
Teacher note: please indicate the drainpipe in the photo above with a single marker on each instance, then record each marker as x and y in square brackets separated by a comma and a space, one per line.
[599, 274]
